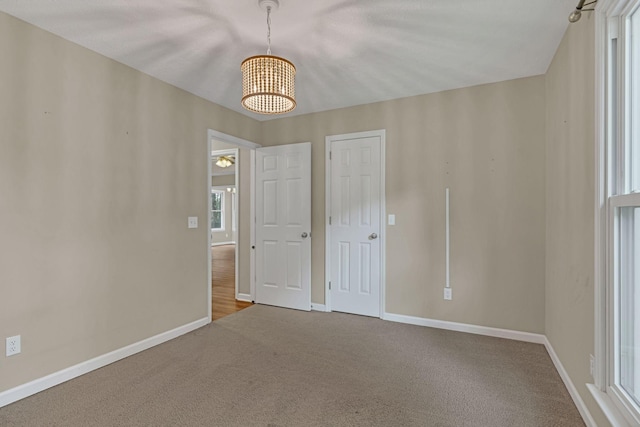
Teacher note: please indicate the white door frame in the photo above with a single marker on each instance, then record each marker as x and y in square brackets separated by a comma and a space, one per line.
[243, 143]
[383, 221]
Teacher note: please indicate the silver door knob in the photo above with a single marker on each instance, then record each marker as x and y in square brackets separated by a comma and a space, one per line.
[304, 235]
[373, 236]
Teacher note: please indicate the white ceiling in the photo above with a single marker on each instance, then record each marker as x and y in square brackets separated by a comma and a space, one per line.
[347, 52]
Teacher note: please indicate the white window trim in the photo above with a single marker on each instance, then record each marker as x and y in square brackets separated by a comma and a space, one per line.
[611, 399]
[221, 229]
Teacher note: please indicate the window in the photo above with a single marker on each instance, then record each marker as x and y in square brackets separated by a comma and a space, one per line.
[619, 310]
[217, 210]
[628, 271]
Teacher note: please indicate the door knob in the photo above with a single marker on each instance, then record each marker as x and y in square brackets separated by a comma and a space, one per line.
[304, 235]
[373, 236]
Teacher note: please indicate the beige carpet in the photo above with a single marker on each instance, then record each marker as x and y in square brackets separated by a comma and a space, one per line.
[267, 366]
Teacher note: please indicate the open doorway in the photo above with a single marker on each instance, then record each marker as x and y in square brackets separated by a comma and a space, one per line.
[224, 233]
[231, 235]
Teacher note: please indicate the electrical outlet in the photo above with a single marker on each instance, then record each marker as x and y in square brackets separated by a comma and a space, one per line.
[447, 294]
[192, 222]
[13, 345]
[592, 364]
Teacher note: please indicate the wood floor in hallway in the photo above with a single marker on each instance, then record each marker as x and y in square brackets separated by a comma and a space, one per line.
[223, 268]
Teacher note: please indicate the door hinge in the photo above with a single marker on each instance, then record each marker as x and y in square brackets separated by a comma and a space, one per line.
[329, 155]
[329, 220]
[329, 285]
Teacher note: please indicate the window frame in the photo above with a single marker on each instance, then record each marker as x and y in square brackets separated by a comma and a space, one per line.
[613, 192]
[222, 199]
[620, 397]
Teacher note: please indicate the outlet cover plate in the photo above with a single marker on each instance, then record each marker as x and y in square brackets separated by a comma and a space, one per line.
[447, 294]
[192, 222]
[13, 345]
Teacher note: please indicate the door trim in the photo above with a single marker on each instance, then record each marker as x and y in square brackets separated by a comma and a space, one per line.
[230, 139]
[252, 220]
[383, 216]
[239, 142]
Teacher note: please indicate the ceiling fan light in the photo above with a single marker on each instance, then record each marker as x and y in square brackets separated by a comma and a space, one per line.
[224, 161]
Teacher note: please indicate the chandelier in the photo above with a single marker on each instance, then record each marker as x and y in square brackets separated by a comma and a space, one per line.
[225, 161]
[268, 82]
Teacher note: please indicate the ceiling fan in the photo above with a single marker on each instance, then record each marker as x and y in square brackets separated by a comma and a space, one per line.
[225, 161]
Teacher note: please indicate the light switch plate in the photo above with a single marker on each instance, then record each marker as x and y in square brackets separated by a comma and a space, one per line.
[192, 222]
[392, 219]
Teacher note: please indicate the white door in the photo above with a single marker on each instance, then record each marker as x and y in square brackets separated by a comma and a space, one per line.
[283, 226]
[356, 206]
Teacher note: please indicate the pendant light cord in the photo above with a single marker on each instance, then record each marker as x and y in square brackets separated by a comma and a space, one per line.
[268, 30]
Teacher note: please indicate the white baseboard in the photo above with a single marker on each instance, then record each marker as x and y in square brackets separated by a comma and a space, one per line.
[464, 327]
[582, 408]
[40, 384]
[244, 297]
[222, 243]
[318, 307]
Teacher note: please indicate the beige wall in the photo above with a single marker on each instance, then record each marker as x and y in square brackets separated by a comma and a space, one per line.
[570, 192]
[244, 221]
[100, 166]
[487, 144]
[223, 180]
